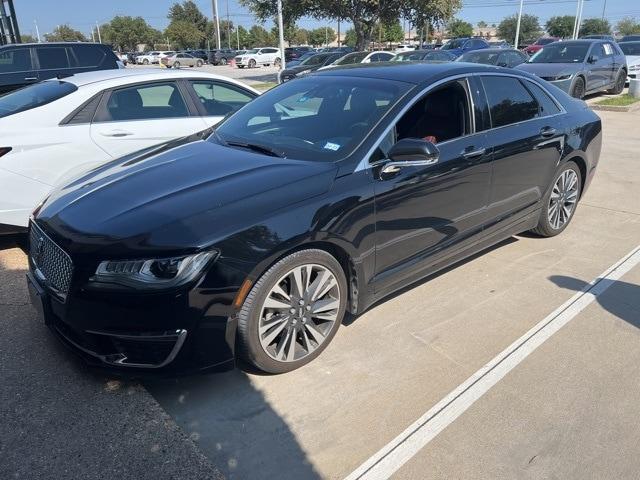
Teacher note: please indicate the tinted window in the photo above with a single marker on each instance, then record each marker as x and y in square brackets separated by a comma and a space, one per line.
[488, 58]
[509, 101]
[351, 58]
[88, 56]
[34, 96]
[562, 52]
[632, 48]
[52, 58]
[515, 58]
[146, 102]
[598, 50]
[17, 60]
[219, 99]
[547, 105]
[314, 118]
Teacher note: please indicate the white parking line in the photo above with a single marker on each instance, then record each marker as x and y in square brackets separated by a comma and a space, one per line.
[401, 449]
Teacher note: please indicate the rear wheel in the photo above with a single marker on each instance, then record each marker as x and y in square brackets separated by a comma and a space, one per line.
[578, 88]
[621, 79]
[252, 63]
[560, 202]
[145, 62]
[223, 61]
[176, 65]
[277, 62]
[199, 63]
[292, 312]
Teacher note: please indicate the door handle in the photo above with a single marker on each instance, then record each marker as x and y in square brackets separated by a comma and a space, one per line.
[547, 132]
[116, 133]
[30, 79]
[470, 153]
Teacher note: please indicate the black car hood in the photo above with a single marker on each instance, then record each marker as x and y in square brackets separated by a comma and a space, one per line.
[178, 196]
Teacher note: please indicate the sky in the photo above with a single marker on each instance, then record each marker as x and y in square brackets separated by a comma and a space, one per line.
[82, 14]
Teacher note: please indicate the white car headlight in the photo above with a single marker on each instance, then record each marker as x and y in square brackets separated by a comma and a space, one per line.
[634, 68]
[152, 274]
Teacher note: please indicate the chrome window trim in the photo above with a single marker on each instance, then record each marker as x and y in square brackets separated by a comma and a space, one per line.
[364, 164]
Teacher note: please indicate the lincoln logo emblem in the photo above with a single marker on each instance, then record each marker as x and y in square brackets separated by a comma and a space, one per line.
[39, 248]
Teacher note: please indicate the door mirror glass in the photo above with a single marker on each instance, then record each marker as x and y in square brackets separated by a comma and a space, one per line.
[593, 59]
[414, 150]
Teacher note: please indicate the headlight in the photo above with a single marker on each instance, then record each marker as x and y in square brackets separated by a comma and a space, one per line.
[633, 68]
[152, 274]
[563, 77]
[304, 72]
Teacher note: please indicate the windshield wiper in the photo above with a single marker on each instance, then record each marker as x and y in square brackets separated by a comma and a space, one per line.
[256, 148]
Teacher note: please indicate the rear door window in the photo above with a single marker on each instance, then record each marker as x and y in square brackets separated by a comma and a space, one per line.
[15, 60]
[509, 101]
[53, 58]
[145, 102]
[34, 96]
[88, 55]
[547, 105]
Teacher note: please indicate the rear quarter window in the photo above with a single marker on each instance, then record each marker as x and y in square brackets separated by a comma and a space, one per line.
[15, 60]
[509, 101]
[51, 58]
[34, 96]
[88, 55]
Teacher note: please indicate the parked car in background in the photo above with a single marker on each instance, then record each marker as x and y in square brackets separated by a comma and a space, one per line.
[360, 57]
[495, 56]
[294, 53]
[322, 196]
[301, 59]
[424, 55]
[580, 67]
[201, 54]
[222, 56]
[311, 64]
[631, 52]
[123, 57]
[168, 53]
[178, 60]
[27, 63]
[458, 46]
[500, 44]
[538, 44]
[404, 48]
[598, 37]
[258, 56]
[58, 128]
[630, 38]
[148, 58]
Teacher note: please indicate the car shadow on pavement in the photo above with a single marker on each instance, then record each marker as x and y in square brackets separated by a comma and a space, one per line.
[621, 299]
[234, 426]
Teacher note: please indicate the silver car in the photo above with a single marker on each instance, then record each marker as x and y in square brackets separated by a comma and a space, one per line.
[178, 60]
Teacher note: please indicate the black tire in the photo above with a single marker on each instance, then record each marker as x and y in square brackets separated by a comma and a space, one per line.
[223, 61]
[176, 65]
[621, 79]
[252, 63]
[145, 62]
[277, 62]
[544, 227]
[250, 349]
[199, 63]
[578, 88]
[240, 66]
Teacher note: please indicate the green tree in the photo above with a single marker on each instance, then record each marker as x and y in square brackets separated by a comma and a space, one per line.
[392, 32]
[260, 37]
[245, 39]
[321, 36]
[626, 26]
[350, 38]
[189, 12]
[364, 15]
[183, 34]
[482, 24]
[64, 33]
[595, 26]
[529, 28]
[560, 26]
[26, 38]
[459, 28]
[125, 33]
[299, 37]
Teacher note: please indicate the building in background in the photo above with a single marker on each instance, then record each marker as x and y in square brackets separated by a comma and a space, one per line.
[9, 32]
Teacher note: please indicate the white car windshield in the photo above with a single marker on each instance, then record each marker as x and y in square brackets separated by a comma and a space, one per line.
[34, 96]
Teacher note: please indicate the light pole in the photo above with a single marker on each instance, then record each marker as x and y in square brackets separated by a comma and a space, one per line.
[280, 35]
[517, 40]
[217, 21]
[37, 31]
[99, 37]
[578, 20]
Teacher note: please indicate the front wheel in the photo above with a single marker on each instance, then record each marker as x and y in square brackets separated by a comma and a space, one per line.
[223, 61]
[199, 63]
[559, 204]
[277, 62]
[252, 63]
[621, 79]
[578, 88]
[292, 312]
[176, 65]
[145, 62]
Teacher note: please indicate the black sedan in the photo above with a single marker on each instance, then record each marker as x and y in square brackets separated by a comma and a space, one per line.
[424, 56]
[320, 197]
[309, 65]
[501, 57]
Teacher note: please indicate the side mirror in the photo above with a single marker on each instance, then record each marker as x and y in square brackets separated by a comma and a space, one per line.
[502, 64]
[592, 59]
[411, 152]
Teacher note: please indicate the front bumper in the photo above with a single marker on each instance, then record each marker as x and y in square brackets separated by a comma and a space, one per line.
[564, 85]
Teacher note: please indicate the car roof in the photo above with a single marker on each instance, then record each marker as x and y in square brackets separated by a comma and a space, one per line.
[120, 76]
[493, 50]
[51, 44]
[408, 72]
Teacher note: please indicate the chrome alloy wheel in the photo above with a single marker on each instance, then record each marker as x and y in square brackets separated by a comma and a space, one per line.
[563, 199]
[299, 312]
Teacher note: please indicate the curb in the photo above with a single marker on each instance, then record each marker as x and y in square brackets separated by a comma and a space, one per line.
[617, 108]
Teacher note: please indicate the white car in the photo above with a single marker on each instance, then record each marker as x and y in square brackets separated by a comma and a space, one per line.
[258, 56]
[631, 52]
[360, 57]
[59, 128]
[147, 58]
[404, 48]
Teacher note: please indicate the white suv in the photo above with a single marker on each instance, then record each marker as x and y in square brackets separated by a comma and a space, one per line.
[259, 56]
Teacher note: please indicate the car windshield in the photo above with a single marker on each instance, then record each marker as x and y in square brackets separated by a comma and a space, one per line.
[561, 53]
[545, 41]
[314, 60]
[408, 57]
[252, 51]
[314, 118]
[478, 56]
[453, 45]
[631, 48]
[351, 58]
[34, 96]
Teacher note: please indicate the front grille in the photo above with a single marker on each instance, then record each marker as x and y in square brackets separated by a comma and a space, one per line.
[50, 262]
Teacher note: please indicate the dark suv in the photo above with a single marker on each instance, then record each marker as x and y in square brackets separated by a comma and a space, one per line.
[222, 56]
[26, 63]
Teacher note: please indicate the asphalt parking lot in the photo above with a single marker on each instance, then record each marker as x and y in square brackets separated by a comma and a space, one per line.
[391, 396]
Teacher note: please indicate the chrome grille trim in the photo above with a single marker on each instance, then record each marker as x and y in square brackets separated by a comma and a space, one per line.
[51, 264]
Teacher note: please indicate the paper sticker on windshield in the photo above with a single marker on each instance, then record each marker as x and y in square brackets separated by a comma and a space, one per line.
[303, 99]
[331, 146]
